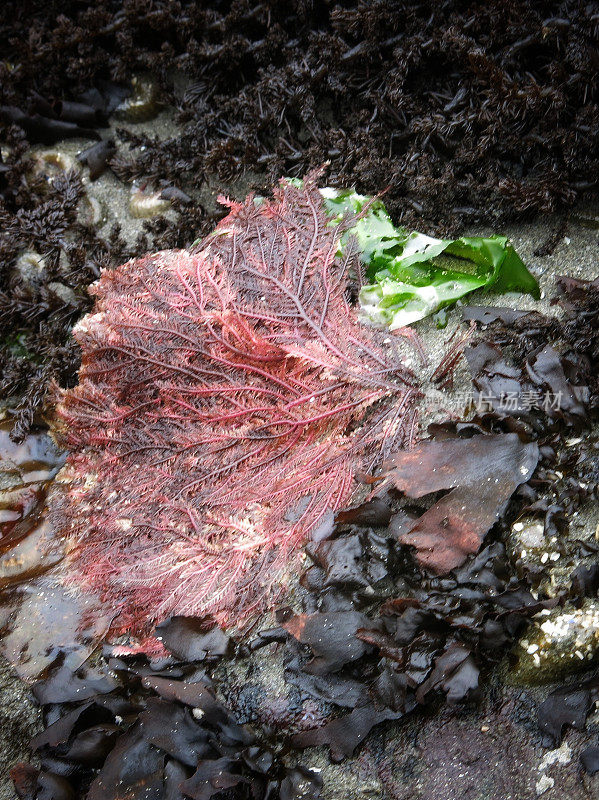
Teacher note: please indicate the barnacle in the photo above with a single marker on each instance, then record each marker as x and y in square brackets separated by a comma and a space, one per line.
[143, 104]
[145, 203]
[31, 266]
[558, 642]
[91, 210]
[52, 162]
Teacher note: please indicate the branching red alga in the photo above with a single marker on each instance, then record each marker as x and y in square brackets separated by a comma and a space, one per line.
[226, 399]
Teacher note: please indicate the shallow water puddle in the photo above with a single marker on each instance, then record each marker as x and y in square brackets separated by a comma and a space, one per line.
[26, 469]
[41, 622]
[39, 617]
[27, 545]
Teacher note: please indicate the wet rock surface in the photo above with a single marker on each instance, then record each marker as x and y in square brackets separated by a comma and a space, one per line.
[19, 722]
[558, 642]
[495, 748]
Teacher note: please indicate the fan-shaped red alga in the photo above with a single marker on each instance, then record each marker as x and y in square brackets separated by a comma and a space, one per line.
[227, 396]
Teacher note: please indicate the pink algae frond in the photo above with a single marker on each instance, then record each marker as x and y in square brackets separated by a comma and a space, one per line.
[227, 396]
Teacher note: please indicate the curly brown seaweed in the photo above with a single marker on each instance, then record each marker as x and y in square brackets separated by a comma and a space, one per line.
[477, 110]
[134, 730]
[422, 636]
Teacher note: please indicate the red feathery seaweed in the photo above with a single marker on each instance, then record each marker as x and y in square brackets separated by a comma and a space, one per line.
[226, 398]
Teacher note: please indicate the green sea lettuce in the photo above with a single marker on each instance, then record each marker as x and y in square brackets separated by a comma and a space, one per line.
[407, 279]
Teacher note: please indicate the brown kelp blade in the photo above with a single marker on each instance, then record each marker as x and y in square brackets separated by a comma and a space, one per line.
[482, 472]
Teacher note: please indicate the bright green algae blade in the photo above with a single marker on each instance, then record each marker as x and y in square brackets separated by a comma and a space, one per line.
[406, 282]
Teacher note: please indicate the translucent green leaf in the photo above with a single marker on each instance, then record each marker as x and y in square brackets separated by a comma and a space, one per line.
[407, 282]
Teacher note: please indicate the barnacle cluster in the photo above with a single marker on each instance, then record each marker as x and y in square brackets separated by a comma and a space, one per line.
[558, 642]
